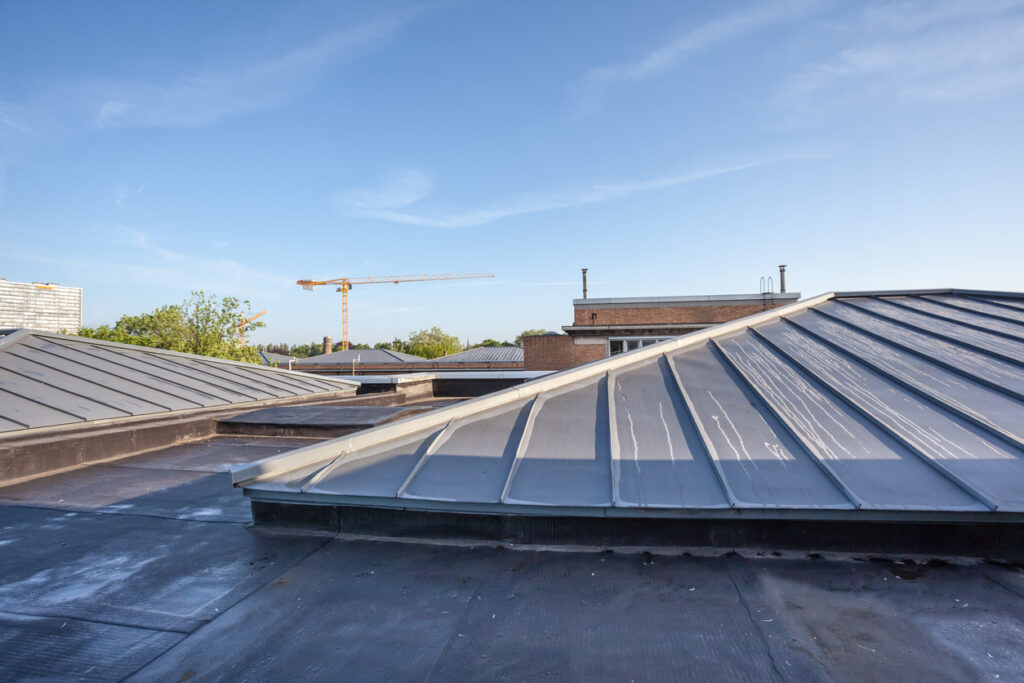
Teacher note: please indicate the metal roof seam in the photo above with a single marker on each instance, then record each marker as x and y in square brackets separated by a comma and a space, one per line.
[709, 448]
[10, 391]
[938, 402]
[1000, 304]
[244, 375]
[907, 349]
[187, 370]
[435, 442]
[964, 309]
[36, 361]
[123, 379]
[826, 385]
[811, 453]
[614, 461]
[67, 391]
[524, 439]
[954, 321]
[937, 335]
[148, 374]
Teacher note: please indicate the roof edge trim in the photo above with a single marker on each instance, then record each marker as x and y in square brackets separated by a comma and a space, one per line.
[329, 450]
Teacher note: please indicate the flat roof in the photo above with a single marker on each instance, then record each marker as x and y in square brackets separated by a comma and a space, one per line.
[892, 405]
[708, 298]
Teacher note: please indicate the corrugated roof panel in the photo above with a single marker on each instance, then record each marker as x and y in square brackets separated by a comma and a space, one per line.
[1012, 303]
[472, 458]
[660, 459]
[485, 354]
[763, 465]
[566, 455]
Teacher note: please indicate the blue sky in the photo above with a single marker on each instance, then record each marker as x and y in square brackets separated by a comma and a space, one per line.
[149, 149]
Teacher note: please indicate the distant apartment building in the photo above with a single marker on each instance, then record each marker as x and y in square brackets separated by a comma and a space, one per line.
[40, 306]
[606, 327]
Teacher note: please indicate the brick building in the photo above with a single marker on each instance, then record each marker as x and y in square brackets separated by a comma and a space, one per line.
[605, 327]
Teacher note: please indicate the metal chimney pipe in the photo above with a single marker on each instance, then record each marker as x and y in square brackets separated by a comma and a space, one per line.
[328, 345]
[584, 283]
[782, 279]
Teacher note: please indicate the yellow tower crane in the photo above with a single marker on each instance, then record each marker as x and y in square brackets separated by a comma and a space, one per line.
[345, 284]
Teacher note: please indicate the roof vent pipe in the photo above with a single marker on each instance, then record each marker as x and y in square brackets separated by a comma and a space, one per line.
[782, 279]
[328, 345]
[584, 283]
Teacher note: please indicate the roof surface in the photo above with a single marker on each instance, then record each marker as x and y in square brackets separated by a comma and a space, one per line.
[269, 358]
[485, 354]
[50, 379]
[843, 404]
[368, 356]
[148, 568]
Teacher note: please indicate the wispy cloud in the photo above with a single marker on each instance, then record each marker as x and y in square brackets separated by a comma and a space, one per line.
[919, 51]
[3, 181]
[393, 201]
[205, 97]
[590, 91]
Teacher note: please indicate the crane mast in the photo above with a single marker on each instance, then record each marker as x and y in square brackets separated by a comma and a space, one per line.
[345, 284]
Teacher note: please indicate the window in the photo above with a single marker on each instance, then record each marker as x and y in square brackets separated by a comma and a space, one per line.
[617, 345]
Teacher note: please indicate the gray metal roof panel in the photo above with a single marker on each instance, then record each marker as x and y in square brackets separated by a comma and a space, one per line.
[485, 354]
[49, 380]
[366, 356]
[890, 402]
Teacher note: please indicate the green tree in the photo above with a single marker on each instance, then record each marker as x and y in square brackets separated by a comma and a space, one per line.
[527, 333]
[432, 343]
[202, 324]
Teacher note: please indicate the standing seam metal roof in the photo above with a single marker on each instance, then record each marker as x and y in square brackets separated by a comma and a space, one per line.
[367, 356]
[49, 379]
[882, 403]
[485, 354]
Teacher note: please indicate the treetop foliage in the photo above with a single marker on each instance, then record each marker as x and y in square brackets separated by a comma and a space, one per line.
[202, 324]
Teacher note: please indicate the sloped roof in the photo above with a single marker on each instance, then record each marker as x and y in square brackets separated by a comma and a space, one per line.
[369, 356]
[872, 404]
[270, 358]
[485, 354]
[49, 379]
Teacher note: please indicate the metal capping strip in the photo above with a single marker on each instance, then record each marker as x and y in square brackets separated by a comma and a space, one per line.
[111, 389]
[268, 467]
[788, 425]
[614, 463]
[985, 498]
[524, 440]
[435, 443]
[67, 391]
[954, 321]
[709, 447]
[937, 401]
[964, 309]
[937, 335]
[907, 348]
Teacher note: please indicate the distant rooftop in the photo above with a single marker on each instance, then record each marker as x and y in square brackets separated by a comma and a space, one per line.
[485, 354]
[699, 299]
[368, 356]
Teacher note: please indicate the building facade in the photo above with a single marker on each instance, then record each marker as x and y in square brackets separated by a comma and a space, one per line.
[40, 306]
[606, 327]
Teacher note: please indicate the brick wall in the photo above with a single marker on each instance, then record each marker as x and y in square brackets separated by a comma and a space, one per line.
[662, 315]
[549, 352]
[584, 353]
